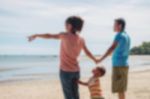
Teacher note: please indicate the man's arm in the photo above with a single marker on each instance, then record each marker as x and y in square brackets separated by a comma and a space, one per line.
[45, 36]
[108, 52]
[82, 83]
[88, 53]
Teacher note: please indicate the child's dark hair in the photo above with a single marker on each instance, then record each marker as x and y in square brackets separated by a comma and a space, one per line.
[101, 70]
[76, 22]
[121, 22]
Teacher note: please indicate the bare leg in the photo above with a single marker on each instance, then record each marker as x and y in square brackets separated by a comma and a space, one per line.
[122, 95]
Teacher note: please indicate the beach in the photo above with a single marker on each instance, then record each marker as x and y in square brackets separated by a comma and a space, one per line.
[37, 77]
[51, 89]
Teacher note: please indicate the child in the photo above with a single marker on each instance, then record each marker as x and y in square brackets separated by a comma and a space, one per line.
[71, 46]
[94, 83]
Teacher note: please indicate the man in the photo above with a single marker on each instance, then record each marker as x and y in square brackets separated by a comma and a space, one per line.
[120, 49]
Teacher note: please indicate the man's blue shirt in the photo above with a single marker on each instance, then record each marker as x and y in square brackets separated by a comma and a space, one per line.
[122, 51]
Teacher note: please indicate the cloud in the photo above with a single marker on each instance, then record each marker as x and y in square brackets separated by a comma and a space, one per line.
[20, 18]
[39, 8]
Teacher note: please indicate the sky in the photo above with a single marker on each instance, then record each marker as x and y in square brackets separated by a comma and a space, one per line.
[21, 18]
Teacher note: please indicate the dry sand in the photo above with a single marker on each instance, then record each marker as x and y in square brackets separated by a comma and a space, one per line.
[139, 88]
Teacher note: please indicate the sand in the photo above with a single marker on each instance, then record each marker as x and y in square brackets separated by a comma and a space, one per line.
[139, 88]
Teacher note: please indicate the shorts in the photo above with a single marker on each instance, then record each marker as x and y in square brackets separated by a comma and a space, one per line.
[120, 79]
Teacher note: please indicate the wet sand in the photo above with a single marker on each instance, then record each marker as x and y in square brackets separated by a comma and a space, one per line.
[139, 88]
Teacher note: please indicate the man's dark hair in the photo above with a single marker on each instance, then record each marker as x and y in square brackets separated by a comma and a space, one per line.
[101, 70]
[76, 22]
[121, 22]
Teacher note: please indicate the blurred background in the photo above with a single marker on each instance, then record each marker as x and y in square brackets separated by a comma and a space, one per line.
[21, 18]
[24, 61]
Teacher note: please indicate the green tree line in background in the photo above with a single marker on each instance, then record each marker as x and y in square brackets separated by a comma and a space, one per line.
[143, 49]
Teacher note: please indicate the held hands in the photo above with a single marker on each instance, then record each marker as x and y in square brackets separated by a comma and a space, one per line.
[32, 37]
[97, 61]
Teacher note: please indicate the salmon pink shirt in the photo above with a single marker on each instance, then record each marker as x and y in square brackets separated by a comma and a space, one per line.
[71, 46]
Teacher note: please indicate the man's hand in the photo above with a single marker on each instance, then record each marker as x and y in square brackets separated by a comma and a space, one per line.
[31, 38]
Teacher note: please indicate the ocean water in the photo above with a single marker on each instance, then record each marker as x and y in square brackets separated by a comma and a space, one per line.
[14, 68]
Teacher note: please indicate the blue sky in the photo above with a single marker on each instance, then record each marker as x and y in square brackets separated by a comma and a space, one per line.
[20, 18]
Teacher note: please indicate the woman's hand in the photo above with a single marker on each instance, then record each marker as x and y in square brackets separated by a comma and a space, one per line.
[32, 37]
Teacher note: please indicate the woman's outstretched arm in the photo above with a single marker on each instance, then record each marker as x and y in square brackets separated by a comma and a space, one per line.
[45, 36]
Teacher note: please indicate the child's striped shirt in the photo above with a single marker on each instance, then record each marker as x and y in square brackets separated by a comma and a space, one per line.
[94, 87]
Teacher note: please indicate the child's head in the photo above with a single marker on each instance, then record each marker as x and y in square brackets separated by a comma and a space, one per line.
[119, 25]
[99, 71]
[74, 24]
